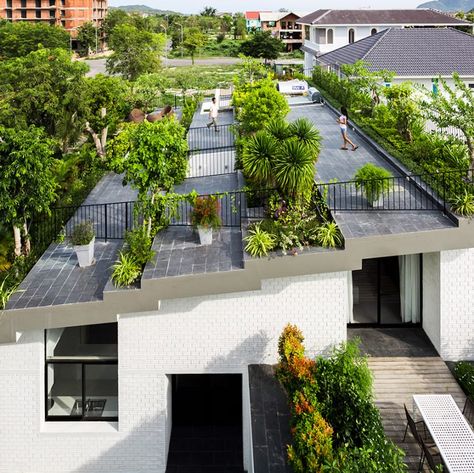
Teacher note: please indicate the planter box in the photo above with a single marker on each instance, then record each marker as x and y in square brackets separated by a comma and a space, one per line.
[85, 254]
[205, 235]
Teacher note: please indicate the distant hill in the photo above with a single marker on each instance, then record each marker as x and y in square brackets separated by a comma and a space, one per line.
[449, 5]
[143, 9]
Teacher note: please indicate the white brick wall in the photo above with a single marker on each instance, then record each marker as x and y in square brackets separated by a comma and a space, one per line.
[203, 334]
[457, 304]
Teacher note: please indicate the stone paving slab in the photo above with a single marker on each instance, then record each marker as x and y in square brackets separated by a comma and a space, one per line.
[110, 189]
[211, 138]
[57, 279]
[226, 117]
[179, 253]
[211, 162]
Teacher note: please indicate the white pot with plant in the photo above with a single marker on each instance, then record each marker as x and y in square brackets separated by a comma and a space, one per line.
[375, 182]
[205, 217]
[83, 239]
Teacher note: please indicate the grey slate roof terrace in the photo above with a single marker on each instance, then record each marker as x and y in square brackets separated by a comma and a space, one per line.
[410, 52]
[407, 17]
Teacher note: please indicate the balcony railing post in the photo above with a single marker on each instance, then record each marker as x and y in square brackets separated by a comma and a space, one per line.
[105, 216]
[444, 193]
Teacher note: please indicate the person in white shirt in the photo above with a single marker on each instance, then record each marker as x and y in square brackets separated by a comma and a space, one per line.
[213, 113]
[342, 120]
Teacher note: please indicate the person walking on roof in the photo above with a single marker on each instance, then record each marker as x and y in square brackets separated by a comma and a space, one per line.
[342, 120]
[213, 113]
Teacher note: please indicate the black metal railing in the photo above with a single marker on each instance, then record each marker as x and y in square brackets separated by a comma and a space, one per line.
[204, 138]
[211, 162]
[414, 192]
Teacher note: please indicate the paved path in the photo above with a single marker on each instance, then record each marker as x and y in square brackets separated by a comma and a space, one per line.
[97, 66]
[396, 380]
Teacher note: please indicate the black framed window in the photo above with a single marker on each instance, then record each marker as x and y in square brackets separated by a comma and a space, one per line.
[81, 373]
[38, 13]
[9, 14]
[9, 3]
[23, 13]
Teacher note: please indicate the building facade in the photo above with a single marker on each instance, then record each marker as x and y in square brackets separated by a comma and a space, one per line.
[327, 30]
[70, 14]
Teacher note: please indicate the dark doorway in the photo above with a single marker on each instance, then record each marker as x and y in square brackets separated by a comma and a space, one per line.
[376, 292]
[207, 424]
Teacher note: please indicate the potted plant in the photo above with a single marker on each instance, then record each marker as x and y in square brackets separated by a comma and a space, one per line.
[205, 217]
[374, 182]
[83, 239]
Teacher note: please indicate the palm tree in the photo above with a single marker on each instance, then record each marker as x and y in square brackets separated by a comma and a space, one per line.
[305, 132]
[294, 169]
[258, 158]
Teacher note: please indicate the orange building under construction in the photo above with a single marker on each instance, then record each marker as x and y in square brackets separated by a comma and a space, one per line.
[67, 13]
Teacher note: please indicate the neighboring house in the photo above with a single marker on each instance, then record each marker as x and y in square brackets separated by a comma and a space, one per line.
[284, 26]
[252, 19]
[70, 14]
[326, 30]
[420, 63]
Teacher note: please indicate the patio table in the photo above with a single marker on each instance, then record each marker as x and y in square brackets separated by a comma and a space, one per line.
[450, 431]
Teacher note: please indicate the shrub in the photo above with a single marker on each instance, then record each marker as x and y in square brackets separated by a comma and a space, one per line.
[373, 180]
[464, 373]
[206, 212]
[82, 233]
[329, 235]
[126, 270]
[259, 242]
[139, 245]
[463, 204]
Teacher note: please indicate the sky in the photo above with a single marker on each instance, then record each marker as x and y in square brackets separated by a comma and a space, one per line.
[195, 6]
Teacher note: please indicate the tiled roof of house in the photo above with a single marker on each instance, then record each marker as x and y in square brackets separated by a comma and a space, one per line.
[272, 15]
[418, 16]
[252, 15]
[411, 52]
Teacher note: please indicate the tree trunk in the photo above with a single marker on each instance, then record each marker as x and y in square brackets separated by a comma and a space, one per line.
[148, 232]
[26, 240]
[97, 142]
[17, 238]
[470, 147]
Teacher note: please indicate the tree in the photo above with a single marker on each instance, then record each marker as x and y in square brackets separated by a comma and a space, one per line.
[27, 185]
[239, 26]
[257, 104]
[105, 107]
[194, 39]
[226, 24]
[153, 158]
[87, 37]
[20, 38]
[43, 89]
[454, 106]
[262, 45]
[250, 69]
[148, 89]
[135, 52]
[114, 18]
[208, 11]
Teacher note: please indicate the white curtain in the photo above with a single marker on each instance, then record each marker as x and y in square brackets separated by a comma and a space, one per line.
[350, 309]
[410, 288]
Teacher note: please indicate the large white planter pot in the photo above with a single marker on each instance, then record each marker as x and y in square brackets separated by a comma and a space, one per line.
[85, 254]
[379, 203]
[205, 235]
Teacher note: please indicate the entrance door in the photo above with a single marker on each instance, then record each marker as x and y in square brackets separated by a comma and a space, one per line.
[207, 424]
[376, 292]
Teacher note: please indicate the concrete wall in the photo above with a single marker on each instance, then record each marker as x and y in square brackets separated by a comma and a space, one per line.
[205, 334]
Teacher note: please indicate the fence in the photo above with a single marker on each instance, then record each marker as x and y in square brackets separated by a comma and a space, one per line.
[409, 193]
[204, 138]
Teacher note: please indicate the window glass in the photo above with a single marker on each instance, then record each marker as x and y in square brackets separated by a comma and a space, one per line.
[374, 31]
[101, 390]
[330, 36]
[351, 35]
[64, 389]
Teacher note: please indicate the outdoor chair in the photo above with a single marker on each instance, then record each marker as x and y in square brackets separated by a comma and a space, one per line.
[468, 411]
[433, 459]
[418, 429]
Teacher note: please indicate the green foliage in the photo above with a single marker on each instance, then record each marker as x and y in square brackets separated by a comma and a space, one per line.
[454, 107]
[374, 181]
[259, 242]
[149, 91]
[126, 270]
[136, 52]
[329, 235]
[262, 44]
[82, 233]
[463, 204]
[194, 40]
[335, 424]
[20, 38]
[189, 109]
[305, 132]
[139, 245]
[257, 104]
[28, 185]
[206, 211]
[464, 373]
[87, 38]
[43, 89]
